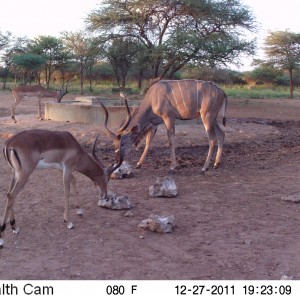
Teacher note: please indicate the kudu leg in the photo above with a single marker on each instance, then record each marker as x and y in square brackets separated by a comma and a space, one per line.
[220, 137]
[149, 138]
[210, 130]
[171, 137]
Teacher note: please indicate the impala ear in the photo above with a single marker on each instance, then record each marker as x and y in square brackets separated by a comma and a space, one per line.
[136, 128]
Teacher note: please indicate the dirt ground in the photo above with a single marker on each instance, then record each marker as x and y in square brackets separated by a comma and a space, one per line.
[231, 223]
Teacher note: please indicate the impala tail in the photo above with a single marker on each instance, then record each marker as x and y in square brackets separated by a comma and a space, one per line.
[12, 158]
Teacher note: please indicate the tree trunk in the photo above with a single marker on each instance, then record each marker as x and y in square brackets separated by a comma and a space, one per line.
[90, 78]
[5, 78]
[291, 83]
[140, 78]
[123, 81]
[81, 75]
[47, 77]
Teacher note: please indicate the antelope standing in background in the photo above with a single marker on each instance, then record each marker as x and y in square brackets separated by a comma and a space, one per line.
[34, 91]
[42, 149]
[167, 100]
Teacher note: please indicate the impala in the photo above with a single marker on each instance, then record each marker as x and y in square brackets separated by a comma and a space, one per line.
[34, 91]
[168, 100]
[42, 149]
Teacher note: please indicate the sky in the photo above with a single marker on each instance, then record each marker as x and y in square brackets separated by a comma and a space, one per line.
[32, 18]
[272, 15]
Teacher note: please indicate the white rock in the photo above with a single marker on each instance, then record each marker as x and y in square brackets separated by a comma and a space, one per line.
[293, 198]
[163, 187]
[285, 277]
[121, 202]
[124, 171]
[157, 223]
[128, 214]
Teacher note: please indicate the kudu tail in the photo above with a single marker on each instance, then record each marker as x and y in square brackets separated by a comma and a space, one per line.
[224, 109]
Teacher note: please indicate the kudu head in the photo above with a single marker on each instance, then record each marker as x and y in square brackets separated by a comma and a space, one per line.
[123, 137]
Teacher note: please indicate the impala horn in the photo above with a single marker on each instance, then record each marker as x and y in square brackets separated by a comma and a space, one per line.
[110, 169]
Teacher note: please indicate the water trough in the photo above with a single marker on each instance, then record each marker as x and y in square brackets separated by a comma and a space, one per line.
[86, 109]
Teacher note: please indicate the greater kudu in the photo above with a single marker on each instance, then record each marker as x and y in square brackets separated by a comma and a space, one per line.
[167, 100]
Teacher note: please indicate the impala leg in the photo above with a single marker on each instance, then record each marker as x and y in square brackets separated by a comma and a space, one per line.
[17, 184]
[73, 183]
[13, 107]
[15, 187]
[67, 182]
[220, 137]
[149, 138]
[79, 209]
[13, 221]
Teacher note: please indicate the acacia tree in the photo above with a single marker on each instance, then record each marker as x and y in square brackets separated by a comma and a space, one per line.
[4, 42]
[121, 53]
[283, 51]
[176, 32]
[27, 65]
[84, 50]
[52, 49]
[4, 39]
[14, 46]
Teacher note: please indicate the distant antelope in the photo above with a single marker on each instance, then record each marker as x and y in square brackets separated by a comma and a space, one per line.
[167, 100]
[42, 149]
[34, 91]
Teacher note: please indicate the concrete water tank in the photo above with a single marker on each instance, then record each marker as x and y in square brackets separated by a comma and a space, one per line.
[88, 110]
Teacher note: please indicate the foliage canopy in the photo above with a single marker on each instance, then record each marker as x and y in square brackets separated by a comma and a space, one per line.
[176, 32]
[283, 51]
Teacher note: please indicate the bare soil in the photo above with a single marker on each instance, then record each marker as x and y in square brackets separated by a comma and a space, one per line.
[231, 223]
